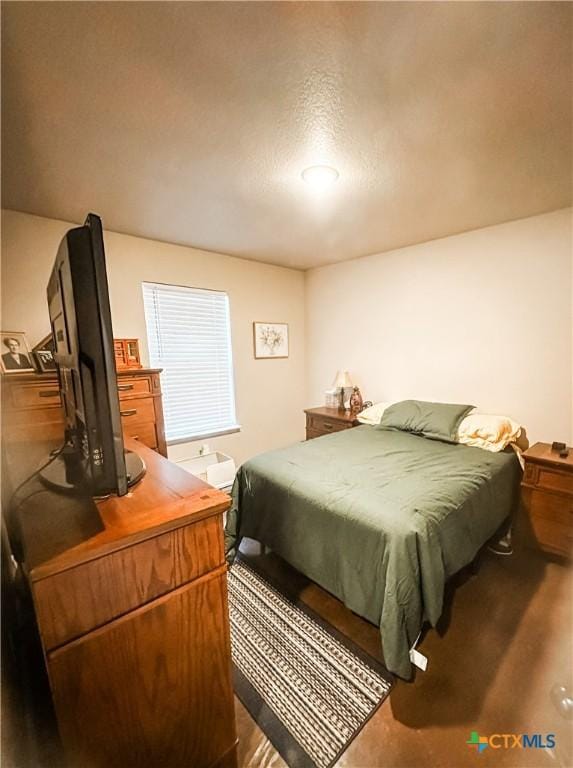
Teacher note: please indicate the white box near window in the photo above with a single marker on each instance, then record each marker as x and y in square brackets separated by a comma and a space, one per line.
[215, 468]
[189, 336]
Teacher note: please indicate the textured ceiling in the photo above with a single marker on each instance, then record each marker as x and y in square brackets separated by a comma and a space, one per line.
[192, 122]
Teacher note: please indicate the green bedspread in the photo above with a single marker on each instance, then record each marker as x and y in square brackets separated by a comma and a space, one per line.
[379, 518]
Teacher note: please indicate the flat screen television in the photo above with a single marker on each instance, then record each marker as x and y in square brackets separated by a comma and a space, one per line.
[93, 458]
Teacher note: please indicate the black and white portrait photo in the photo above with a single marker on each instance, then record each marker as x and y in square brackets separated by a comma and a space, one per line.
[16, 354]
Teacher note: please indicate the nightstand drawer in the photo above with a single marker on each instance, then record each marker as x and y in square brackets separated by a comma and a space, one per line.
[540, 476]
[330, 426]
[555, 481]
[553, 537]
[327, 421]
[549, 506]
[326, 425]
[547, 497]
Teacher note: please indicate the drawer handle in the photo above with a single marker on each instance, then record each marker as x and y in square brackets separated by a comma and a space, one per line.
[124, 387]
[129, 412]
[328, 425]
[49, 393]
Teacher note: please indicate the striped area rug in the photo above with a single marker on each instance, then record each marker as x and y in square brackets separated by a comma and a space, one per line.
[310, 689]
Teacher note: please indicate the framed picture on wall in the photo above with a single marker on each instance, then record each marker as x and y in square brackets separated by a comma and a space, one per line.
[16, 354]
[270, 340]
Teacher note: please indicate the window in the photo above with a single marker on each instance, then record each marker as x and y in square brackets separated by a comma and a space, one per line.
[189, 336]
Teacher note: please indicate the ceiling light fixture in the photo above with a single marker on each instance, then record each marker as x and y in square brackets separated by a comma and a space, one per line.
[320, 177]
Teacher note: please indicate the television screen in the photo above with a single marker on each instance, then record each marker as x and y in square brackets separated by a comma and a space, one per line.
[80, 317]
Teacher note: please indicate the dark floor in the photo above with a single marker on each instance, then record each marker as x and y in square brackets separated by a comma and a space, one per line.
[504, 643]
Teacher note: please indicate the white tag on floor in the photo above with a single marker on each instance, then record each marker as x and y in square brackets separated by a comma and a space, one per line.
[418, 659]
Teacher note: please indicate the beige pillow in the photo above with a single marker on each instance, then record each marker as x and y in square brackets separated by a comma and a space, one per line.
[373, 414]
[484, 430]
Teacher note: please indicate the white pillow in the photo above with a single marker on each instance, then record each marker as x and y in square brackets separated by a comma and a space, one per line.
[487, 431]
[373, 414]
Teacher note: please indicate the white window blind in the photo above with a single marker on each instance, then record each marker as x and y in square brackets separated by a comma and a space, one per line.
[189, 336]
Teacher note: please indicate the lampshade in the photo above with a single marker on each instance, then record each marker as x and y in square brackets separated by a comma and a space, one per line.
[342, 380]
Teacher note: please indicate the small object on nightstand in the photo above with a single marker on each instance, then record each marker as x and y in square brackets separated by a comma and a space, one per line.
[557, 446]
[547, 499]
[343, 382]
[356, 402]
[331, 398]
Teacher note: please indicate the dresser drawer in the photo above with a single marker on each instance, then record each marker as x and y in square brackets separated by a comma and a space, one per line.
[136, 385]
[33, 417]
[41, 395]
[145, 433]
[152, 688]
[138, 410]
[32, 409]
[80, 599]
[33, 425]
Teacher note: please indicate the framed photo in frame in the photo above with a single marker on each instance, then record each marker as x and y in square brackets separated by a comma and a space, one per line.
[16, 356]
[44, 354]
[270, 340]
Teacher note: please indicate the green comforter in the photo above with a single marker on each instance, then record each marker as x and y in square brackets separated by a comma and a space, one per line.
[379, 518]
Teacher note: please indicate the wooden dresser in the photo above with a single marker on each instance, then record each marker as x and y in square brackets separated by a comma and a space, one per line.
[31, 407]
[130, 596]
[324, 421]
[547, 499]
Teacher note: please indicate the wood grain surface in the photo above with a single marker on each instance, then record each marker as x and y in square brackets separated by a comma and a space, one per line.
[161, 692]
[79, 599]
[168, 497]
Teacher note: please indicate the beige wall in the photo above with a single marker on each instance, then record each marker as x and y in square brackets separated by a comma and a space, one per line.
[484, 317]
[269, 393]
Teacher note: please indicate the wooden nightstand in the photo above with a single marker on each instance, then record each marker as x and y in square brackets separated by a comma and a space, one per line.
[547, 497]
[324, 421]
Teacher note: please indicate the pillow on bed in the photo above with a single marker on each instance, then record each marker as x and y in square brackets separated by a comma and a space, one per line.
[484, 430]
[373, 414]
[438, 421]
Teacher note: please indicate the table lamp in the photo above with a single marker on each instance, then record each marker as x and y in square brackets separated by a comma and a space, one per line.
[342, 381]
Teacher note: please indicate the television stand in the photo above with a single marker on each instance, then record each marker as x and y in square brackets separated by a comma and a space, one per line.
[59, 475]
[135, 467]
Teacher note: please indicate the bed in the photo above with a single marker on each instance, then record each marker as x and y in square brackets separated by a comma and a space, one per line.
[379, 518]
